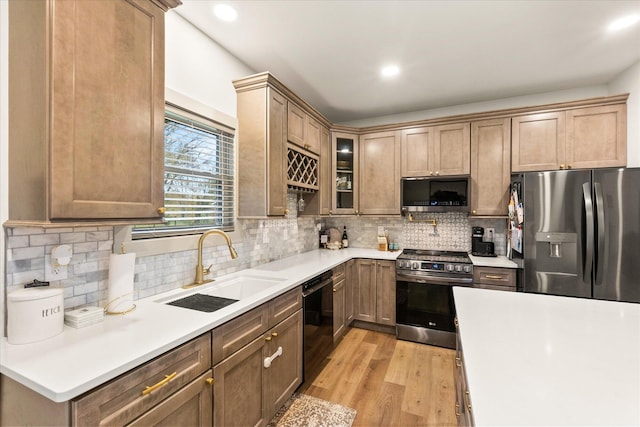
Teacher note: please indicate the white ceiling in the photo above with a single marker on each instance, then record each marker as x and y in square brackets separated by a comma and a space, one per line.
[451, 52]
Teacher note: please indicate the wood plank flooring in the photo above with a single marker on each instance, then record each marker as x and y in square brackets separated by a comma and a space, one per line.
[387, 381]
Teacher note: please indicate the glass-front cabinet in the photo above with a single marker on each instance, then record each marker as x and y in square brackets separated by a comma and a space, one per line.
[344, 149]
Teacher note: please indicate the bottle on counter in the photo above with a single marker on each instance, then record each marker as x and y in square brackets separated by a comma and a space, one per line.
[345, 239]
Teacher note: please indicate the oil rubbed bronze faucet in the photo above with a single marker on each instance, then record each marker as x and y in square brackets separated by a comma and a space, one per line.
[200, 270]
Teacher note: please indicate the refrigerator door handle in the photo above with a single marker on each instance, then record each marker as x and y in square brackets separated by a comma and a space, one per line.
[588, 243]
[599, 255]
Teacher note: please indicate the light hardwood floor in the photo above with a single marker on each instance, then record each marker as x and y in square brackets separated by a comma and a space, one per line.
[388, 382]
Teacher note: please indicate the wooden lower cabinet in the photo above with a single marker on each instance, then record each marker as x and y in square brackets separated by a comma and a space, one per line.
[349, 284]
[246, 392]
[237, 389]
[463, 406]
[501, 279]
[191, 406]
[375, 291]
[339, 309]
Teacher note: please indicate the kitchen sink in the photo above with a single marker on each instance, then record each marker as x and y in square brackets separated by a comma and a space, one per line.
[216, 295]
[241, 287]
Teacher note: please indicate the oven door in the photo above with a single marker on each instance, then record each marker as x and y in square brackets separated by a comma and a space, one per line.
[425, 310]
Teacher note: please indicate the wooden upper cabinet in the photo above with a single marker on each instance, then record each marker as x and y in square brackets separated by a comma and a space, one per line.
[262, 153]
[597, 137]
[302, 129]
[379, 173]
[436, 150]
[538, 142]
[590, 137]
[86, 110]
[451, 149]
[490, 166]
[417, 151]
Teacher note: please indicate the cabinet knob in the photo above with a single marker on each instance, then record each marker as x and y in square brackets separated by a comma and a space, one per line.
[209, 381]
[357, 212]
[274, 334]
[430, 173]
[437, 173]
[267, 339]
[473, 211]
[330, 212]
[569, 166]
[335, 290]
[162, 210]
[286, 211]
[562, 166]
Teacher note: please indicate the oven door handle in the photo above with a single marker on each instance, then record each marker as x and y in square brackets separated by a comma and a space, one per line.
[435, 280]
[317, 287]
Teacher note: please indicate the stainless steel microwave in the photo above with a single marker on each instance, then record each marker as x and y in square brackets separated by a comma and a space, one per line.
[435, 194]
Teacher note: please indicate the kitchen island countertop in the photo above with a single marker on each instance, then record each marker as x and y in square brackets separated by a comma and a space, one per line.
[548, 360]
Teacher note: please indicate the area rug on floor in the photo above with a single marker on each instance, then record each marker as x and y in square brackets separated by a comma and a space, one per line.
[302, 410]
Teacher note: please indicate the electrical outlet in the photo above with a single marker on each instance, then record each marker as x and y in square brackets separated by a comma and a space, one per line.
[53, 273]
[490, 234]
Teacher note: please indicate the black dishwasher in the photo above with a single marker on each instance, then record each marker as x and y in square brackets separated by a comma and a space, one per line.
[318, 323]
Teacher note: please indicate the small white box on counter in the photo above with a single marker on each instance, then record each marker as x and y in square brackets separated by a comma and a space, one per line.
[34, 314]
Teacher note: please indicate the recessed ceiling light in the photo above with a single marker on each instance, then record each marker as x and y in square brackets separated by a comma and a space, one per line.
[390, 71]
[225, 12]
[624, 22]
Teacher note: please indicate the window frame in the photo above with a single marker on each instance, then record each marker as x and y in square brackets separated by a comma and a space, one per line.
[162, 245]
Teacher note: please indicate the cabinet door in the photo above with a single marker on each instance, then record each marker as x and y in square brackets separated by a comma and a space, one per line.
[297, 124]
[191, 406]
[379, 173]
[285, 373]
[277, 154]
[386, 292]
[350, 284]
[238, 398]
[451, 149]
[538, 142]
[417, 152]
[597, 137]
[344, 177]
[365, 291]
[490, 166]
[339, 309]
[107, 110]
[313, 136]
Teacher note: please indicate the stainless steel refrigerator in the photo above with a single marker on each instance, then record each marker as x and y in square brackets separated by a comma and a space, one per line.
[581, 233]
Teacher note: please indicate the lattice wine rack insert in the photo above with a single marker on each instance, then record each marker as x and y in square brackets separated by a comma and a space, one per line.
[302, 172]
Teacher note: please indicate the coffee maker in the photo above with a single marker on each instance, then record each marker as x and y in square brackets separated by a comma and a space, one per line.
[478, 246]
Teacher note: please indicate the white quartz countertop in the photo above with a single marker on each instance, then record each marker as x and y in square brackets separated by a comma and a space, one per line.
[539, 360]
[67, 365]
[494, 261]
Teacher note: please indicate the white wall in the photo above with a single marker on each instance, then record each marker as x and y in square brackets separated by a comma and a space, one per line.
[199, 68]
[629, 81]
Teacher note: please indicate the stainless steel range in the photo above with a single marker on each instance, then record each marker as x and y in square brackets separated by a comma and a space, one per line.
[425, 310]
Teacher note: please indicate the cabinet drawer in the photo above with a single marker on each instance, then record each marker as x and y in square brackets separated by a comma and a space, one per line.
[501, 277]
[235, 334]
[284, 306]
[338, 272]
[124, 399]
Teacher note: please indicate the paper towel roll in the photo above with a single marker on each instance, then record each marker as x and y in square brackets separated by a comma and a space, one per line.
[120, 295]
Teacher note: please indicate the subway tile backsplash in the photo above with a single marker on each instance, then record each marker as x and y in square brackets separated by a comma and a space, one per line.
[260, 241]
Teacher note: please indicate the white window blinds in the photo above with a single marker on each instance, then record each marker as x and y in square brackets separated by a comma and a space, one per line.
[198, 177]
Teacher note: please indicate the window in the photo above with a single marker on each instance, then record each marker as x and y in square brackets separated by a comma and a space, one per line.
[198, 176]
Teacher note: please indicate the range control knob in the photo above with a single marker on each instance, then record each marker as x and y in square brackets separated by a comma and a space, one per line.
[449, 267]
[458, 267]
[467, 269]
[415, 265]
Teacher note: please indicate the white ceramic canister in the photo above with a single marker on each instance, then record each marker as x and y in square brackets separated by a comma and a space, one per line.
[34, 314]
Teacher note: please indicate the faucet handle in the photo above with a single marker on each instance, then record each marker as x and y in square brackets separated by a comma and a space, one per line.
[207, 270]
